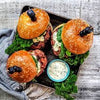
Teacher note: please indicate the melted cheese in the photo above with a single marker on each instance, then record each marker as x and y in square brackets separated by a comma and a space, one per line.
[40, 38]
[58, 70]
[57, 44]
[35, 40]
[39, 67]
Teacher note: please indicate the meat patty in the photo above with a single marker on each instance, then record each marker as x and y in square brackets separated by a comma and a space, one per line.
[41, 58]
[41, 44]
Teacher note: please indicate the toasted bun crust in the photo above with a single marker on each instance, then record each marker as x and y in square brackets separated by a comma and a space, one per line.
[29, 29]
[24, 60]
[71, 38]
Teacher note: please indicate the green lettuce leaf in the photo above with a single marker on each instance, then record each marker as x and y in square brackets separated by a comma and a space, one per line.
[59, 34]
[77, 59]
[68, 53]
[67, 87]
[63, 51]
[35, 61]
[18, 44]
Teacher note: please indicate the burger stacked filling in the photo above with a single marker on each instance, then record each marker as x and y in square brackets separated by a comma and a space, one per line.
[62, 52]
[39, 42]
[24, 66]
[40, 60]
[26, 44]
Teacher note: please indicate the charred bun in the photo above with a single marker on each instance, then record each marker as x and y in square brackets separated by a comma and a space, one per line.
[24, 64]
[32, 23]
[77, 36]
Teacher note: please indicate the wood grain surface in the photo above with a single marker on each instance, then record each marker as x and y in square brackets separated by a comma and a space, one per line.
[89, 74]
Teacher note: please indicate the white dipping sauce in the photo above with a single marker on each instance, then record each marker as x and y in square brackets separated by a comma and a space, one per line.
[57, 70]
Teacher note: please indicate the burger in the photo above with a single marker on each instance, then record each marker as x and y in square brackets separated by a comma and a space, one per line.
[23, 66]
[71, 41]
[33, 31]
[35, 24]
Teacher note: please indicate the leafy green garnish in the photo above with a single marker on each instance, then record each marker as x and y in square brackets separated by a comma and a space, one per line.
[18, 44]
[77, 59]
[72, 59]
[34, 80]
[63, 51]
[68, 53]
[67, 87]
[35, 61]
[59, 34]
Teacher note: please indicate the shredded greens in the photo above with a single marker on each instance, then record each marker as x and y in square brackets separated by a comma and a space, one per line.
[73, 60]
[18, 44]
[68, 53]
[67, 87]
[35, 61]
[77, 59]
[34, 80]
[59, 34]
[63, 51]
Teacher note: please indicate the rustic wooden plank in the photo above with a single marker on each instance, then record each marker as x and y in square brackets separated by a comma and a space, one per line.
[85, 9]
[90, 11]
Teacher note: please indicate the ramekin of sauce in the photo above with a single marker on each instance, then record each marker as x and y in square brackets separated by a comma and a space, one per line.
[58, 70]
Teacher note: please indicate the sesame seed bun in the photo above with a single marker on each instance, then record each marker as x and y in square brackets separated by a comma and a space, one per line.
[29, 29]
[25, 61]
[71, 38]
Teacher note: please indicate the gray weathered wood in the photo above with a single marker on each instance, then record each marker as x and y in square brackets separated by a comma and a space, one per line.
[88, 10]
[89, 75]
